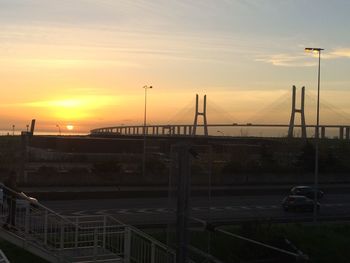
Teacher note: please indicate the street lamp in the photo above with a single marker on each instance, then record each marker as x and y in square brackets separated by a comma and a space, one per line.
[318, 51]
[59, 129]
[144, 131]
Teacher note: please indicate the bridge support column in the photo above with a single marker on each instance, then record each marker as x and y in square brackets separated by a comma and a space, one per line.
[203, 113]
[323, 132]
[341, 133]
[295, 110]
[178, 130]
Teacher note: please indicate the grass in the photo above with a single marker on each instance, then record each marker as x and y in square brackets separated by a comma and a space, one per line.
[19, 255]
[322, 243]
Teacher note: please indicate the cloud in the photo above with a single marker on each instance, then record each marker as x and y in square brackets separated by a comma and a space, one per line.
[338, 53]
[293, 60]
[286, 60]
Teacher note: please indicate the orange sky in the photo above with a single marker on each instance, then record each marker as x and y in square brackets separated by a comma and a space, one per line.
[85, 63]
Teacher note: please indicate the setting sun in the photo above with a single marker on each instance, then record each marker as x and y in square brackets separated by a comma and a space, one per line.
[70, 127]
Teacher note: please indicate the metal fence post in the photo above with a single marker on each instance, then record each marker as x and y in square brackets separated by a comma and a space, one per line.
[95, 244]
[45, 227]
[26, 219]
[76, 240]
[127, 244]
[62, 236]
[153, 252]
[104, 231]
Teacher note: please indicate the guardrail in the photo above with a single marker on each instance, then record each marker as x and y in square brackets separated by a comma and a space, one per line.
[3, 258]
[79, 238]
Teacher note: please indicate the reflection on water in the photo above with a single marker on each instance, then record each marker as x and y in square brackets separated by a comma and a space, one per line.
[10, 132]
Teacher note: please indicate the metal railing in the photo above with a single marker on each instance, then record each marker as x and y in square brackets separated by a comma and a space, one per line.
[125, 241]
[3, 258]
[80, 238]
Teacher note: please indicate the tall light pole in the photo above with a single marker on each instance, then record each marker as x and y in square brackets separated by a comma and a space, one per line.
[316, 50]
[144, 131]
[59, 129]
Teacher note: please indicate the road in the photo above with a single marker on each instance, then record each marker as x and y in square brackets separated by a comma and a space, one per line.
[224, 209]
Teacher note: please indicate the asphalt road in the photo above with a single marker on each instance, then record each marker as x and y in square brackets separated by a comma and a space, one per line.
[222, 210]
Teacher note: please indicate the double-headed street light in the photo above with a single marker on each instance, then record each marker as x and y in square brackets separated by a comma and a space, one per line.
[144, 131]
[318, 51]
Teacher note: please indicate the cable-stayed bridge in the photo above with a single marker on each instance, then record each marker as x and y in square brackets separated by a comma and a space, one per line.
[260, 125]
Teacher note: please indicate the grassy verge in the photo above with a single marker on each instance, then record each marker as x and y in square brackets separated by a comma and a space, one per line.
[18, 255]
[322, 243]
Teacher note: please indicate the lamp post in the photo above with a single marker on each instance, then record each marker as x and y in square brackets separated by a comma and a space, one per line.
[144, 131]
[318, 51]
[59, 129]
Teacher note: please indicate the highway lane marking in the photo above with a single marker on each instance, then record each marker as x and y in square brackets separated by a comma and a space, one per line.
[145, 211]
[133, 211]
[124, 211]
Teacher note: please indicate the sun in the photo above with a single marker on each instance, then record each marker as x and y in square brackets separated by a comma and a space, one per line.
[70, 127]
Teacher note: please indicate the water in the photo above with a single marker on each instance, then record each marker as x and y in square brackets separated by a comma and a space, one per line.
[52, 133]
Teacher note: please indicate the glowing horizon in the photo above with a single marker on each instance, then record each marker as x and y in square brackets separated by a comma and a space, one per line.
[84, 64]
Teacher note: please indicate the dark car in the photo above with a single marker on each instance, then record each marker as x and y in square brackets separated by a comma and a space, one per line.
[299, 203]
[307, 191]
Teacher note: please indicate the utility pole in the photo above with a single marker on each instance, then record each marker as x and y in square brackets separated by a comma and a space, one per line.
[144, 132]
[182, 173]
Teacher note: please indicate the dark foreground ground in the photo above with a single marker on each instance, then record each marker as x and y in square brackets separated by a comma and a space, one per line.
[321, 243]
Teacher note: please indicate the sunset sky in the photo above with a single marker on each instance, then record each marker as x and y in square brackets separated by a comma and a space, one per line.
[84, 62]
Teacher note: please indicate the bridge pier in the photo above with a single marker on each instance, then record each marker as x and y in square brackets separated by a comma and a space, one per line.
[295, 110]
[347, 133]
[203, 113]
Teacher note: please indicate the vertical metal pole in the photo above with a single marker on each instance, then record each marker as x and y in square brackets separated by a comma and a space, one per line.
[144, 132]
[104, 231]
[45, 226]
[317, 138]
[153, 252]
[62, 236]
[183, 193]
[127, 245]
[95, 251]
[76, 237]
[27, 219]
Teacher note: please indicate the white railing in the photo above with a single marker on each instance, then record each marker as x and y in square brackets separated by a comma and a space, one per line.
[125, 241]
[3, 258]
[79, 238]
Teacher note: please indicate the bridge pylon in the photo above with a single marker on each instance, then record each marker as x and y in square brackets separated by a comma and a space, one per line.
[297, 110]
[203, 113]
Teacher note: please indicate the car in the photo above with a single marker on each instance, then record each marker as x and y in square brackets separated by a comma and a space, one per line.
[307, 191]
[299, 203]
